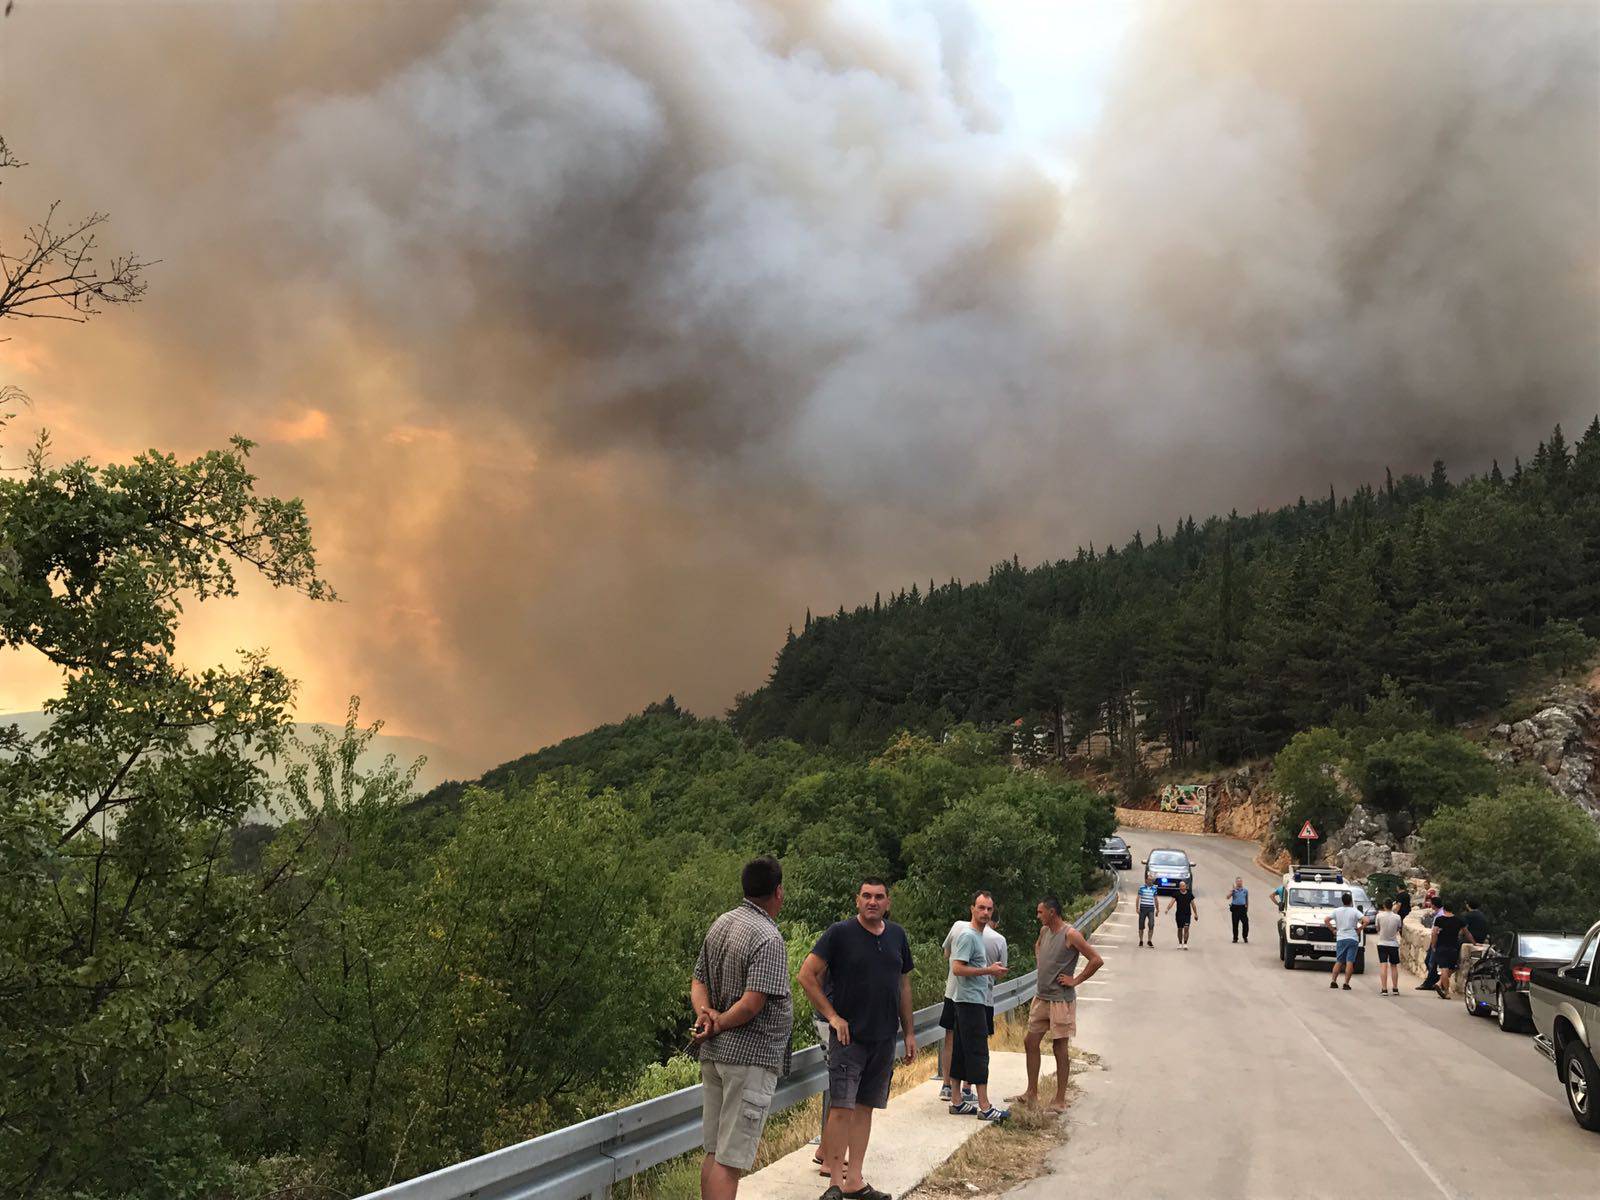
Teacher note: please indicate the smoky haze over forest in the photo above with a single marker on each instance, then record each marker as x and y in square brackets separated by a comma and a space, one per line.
[603, 338]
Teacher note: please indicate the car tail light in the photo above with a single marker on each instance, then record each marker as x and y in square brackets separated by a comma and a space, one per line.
[1522, 974]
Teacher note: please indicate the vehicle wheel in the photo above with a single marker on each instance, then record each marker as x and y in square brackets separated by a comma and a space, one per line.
[1471, 1001]
[1508, 1021]
[1583, 1086]
[1288, 958]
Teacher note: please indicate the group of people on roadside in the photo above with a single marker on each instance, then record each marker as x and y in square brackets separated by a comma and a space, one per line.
[1451, 932]
[857, 978]
[1183, 908]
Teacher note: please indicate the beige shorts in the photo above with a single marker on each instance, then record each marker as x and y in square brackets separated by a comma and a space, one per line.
[737, 1100]
[1060, 1017]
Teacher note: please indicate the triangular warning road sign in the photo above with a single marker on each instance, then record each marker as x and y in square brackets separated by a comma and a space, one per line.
[1307, 832]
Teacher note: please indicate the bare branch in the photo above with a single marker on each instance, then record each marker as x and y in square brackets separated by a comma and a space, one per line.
[54, 273]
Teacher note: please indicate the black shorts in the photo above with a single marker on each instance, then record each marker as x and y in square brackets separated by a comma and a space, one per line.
[1389, 954]
[859, 1074]
[969, 1056]
[947, 1016]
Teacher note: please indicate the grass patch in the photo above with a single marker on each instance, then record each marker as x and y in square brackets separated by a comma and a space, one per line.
[1001, 1156]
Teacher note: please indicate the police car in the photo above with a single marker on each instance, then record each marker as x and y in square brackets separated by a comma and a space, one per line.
[1306, 897]
[1169, 868]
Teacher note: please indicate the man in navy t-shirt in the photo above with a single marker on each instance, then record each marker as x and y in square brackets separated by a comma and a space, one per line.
[866, 1004]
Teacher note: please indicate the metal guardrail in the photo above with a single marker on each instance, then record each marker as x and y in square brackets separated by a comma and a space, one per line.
[589, 1158]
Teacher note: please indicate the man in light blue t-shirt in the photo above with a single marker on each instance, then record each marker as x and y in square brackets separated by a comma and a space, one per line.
[972, 976]
[1239, 908]
[1347, 922]
[1148, 898]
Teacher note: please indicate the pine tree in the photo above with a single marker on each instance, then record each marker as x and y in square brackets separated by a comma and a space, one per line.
[1494, 474]
[1439, 482]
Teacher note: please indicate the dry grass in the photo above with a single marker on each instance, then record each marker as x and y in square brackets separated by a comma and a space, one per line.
[1001, 1156]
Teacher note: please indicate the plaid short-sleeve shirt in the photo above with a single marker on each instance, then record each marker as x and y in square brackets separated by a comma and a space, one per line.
[744, 952]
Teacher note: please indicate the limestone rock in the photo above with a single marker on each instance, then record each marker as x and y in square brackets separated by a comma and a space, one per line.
[1562, 738]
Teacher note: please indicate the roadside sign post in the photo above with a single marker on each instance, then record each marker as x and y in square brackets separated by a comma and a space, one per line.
[1308, 834]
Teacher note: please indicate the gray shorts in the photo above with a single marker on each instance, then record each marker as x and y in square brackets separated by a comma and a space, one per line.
[736, 1102]
[1147, 916]
[859, 1074]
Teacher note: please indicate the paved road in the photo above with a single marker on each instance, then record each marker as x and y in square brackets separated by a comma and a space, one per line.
[1227, 1076]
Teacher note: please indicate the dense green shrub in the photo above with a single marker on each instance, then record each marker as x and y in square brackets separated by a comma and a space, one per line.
[1530, 858]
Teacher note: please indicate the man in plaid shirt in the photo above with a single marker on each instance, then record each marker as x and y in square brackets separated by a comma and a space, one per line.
[743, 1019]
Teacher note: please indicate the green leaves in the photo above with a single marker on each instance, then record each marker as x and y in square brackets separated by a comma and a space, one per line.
[1529, 858]
[127, 934]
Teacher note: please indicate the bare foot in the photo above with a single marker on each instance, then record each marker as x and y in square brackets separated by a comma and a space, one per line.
[1029, 1098]
[1059, 1106]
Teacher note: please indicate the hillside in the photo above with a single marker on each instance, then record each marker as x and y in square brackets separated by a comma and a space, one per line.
[1223, 637]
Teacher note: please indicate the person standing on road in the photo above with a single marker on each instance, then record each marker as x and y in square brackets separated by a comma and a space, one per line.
[1347, 922]
[1148, 899]
[1054, 1009]
[1447, 931]
[1239, 908]
[1477, 924]
[974, 976]
[1402, 900]
[868, 961]
[1430, 913]
[999, 951]
[743, 1018]
[1389, 924]
[1183, 904]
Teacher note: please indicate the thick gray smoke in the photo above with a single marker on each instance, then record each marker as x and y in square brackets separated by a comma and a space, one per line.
[603, 336]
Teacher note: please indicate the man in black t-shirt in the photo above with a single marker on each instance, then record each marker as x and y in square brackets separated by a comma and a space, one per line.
[866, 1004]
[1183, 902]
[1477, 924]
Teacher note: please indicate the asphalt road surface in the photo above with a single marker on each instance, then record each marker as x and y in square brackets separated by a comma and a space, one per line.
[1227, 1076]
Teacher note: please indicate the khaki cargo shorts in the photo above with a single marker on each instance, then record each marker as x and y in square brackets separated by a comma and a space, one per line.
[737, 1100]
[1059, 1017]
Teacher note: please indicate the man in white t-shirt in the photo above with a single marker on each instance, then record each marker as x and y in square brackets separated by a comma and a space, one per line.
[1389, 923]
[998, 951]
[1347, 922]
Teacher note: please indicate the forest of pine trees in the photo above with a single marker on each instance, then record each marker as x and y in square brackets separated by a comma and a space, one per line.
[1223, 638]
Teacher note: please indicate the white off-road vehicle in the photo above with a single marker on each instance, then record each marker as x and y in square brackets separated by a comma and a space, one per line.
[1306, 898]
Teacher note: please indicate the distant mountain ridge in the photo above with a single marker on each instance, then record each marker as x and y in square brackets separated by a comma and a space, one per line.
[406, 750]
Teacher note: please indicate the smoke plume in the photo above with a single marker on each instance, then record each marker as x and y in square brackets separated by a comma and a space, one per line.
[603, 337]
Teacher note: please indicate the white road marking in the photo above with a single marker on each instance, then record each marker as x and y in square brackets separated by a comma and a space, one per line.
[1096, 999]
[1378, 1109]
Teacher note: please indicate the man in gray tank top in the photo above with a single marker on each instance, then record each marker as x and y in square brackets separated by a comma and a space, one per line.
[1059, 950]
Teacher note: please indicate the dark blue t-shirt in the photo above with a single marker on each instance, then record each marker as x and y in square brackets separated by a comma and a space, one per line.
[864, 971]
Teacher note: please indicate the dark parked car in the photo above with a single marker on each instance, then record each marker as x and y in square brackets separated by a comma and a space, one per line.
[1170, 868]
[1115, 852]
[1498, 981]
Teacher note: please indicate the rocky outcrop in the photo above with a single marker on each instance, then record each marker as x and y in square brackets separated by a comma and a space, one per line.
[1364, 845]
[1243, 803]
[1561, 739]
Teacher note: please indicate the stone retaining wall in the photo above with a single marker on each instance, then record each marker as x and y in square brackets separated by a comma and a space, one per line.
[1142, 818]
